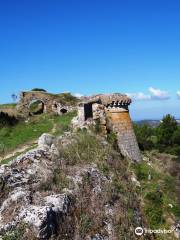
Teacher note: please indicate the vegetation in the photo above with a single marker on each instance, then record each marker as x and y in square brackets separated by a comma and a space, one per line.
[38, 90]
[157, 192]
[165, 137]
[86, 148]
[15, 234]
[26, 131]
[36, 107]
[66, 98]
[7, 120]
[8, 105]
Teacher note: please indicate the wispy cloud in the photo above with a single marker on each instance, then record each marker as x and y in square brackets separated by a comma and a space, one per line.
[178, 94]
[139, 96]
[158, 94]
[78, 95]
[154, 94]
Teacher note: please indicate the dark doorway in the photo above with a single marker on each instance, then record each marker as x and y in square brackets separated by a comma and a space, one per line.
[63, 110]
[88, 113]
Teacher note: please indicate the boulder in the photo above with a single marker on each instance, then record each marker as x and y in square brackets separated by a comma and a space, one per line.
[45, 141]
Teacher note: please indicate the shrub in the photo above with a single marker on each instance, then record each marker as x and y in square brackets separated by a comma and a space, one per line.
[141, 171]
[144, 135]
[166, 129]
[6, 120]
[112, 138]
[38, 90]
[176, 137]
[155, 216]
[156, 198]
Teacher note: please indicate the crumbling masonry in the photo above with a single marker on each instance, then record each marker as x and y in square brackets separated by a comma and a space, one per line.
[50, 103]
[112, 113]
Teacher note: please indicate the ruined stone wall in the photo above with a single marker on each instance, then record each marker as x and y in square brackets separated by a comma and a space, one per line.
[50, 102]
[118, 120]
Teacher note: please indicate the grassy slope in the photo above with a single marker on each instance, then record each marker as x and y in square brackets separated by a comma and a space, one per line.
[8, 105]
[24, 132]
[157, 194]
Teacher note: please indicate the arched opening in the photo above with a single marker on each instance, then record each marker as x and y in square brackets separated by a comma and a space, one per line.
[36, 107]
[63, 110]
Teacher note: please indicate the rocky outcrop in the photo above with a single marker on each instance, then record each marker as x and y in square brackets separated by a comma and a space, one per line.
[50, 198]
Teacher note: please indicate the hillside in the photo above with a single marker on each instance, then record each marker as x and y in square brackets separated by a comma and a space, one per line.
[64, 177]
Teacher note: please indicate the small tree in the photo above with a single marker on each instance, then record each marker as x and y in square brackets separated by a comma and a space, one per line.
[166, 130]
[176, 137]
[144, 135]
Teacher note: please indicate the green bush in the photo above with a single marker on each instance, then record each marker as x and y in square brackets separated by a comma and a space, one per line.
[176, 136]
[144, 134]
[142, 171]
[166, 130]
[38, 90]
[112, 138]
[6, 120]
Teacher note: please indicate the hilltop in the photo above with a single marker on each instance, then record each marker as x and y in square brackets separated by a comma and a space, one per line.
[82, 175]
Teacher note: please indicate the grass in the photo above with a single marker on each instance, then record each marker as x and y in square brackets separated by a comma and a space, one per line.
[7, 105]
[24, 132]
[15, 234]
[7, 160]
[65, 98]
[156, 194]
[85, 149]
[63, 123]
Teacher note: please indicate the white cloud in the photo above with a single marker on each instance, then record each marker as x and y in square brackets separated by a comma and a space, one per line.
[154, 94]
[178, 94]
[78, 95]
[138, 96]
[158, 94]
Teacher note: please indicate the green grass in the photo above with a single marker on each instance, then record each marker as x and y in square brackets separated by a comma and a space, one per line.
[7, 105]
[7, 160]
[63, 122]
[156, 193]
[22, 133]
[85, 149]
[65, 98]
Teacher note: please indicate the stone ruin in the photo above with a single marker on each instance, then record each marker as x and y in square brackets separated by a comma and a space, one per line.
[49, 103]
[109, 110]
[112, 114]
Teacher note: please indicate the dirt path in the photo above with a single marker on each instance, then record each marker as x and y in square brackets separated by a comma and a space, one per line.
[18, 150]
[24, 148]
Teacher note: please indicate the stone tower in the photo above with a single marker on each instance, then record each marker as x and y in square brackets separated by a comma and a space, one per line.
[119, 121]
[113, 114]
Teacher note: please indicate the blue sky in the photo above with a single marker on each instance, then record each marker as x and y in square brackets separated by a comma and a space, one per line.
[92, 46]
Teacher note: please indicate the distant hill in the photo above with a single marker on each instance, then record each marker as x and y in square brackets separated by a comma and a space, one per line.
[152, 123]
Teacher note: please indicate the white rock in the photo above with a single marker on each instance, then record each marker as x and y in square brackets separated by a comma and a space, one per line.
[46, 140]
